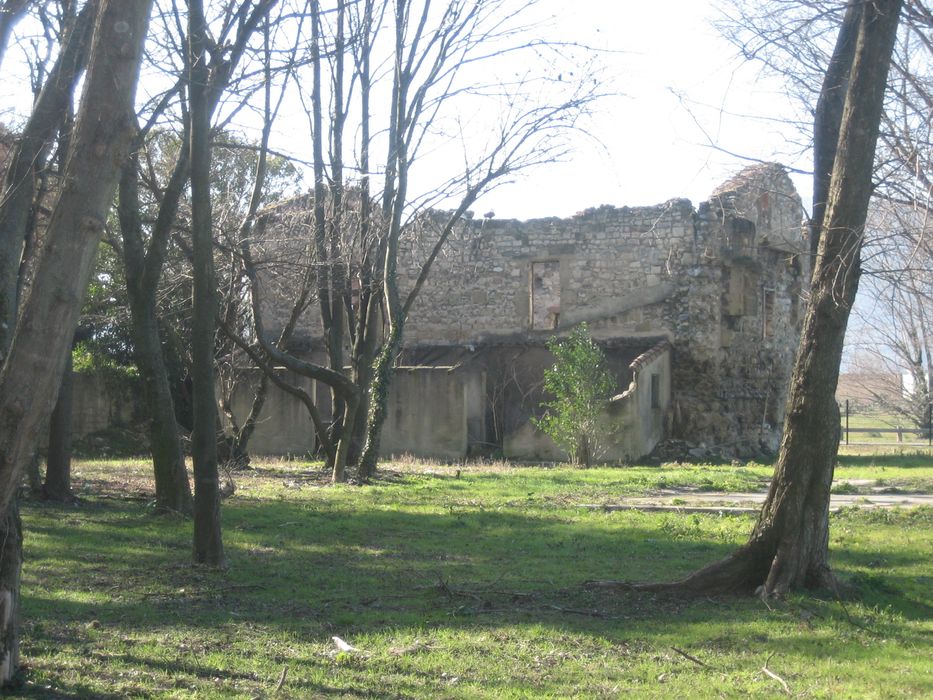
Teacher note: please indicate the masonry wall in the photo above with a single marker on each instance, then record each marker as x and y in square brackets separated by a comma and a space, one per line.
[615, 266]
[725, 282]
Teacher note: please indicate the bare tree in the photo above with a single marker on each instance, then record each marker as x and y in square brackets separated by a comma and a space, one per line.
[28, 160]
[145, 245]
[891, 336]
[428, 64]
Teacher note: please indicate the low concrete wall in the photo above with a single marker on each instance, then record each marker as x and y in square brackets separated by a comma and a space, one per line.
[284, 426]
[432, 412]
[635, 420]
[96, 407]
[640, 412]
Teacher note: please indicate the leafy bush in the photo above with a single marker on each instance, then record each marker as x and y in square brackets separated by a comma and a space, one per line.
[581, 386]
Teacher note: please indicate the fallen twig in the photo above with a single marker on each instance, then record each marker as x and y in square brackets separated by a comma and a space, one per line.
[282, 676]
[690, 658]
[843, 604]
[611, 585]
[772, 674]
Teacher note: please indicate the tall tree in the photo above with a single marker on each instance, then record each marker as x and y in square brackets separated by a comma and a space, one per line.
[145, 255]
[33, 368]
[208, 545]
[429, 63]
[29, 157]
[789, 545]
[142, 271]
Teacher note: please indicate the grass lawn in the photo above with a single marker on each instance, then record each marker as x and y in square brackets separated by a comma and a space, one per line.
[869, 428]
[457, 582]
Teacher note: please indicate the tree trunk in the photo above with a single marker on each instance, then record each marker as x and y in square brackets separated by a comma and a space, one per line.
[173, 492]
[11, 564]
[208, 545]
[378, 401]
[57, 485]
[42, 341]
[34, 475]
[28, 158]
[789, 546]
[239, 447]
[827, 119]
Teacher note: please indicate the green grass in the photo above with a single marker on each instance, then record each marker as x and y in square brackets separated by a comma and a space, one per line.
[454, 585]
[872, 420]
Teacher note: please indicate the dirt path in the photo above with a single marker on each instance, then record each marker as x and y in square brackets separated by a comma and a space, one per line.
[693, 501]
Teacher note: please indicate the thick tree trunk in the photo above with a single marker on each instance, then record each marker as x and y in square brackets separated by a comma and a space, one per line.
[28, 158]
[11, 11]
[11, 564]
[42, 341]
[789, 546]
[57, 485]
[208, 545]
[173, 492]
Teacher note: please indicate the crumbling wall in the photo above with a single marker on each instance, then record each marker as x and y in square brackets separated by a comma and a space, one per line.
[724, 282]
[615, 267]
[748, 288]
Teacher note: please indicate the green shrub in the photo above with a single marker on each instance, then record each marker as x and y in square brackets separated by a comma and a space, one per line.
[581, 386]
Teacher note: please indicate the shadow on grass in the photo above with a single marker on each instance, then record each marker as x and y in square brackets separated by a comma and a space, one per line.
[350, 565]
[290, 562]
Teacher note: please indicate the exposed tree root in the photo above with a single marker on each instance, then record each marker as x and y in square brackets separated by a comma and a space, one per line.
[754, 568]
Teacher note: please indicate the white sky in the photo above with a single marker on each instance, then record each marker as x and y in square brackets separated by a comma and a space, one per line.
[652, 146]
[682, 86]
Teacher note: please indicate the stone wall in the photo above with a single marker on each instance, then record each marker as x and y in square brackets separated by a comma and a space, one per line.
[613, 267]
[724, 282]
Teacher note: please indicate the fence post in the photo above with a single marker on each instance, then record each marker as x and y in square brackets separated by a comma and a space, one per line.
[900, 434]
[847, 421]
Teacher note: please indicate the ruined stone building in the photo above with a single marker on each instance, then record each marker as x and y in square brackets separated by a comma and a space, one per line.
[698, 310]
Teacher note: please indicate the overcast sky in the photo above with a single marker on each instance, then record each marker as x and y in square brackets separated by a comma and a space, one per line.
[684, 86]
[682, 89]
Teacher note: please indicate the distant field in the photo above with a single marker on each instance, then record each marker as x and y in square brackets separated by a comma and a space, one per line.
[876, 424]
[458, 582]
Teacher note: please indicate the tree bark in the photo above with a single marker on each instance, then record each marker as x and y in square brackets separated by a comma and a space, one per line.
[11, 565]
[208, 544]
[28, 158]
[788, 548]
[57, 486]
[11, 11]
[827, 119]
[173, 492]
[42, 341]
